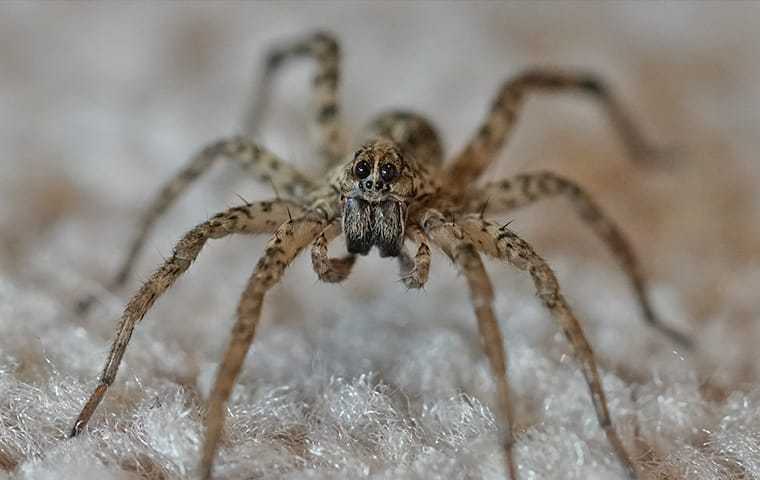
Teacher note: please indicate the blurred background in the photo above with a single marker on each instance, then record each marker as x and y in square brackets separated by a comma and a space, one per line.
[100, 103]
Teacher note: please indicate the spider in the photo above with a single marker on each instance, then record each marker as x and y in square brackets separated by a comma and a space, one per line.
[393, 188]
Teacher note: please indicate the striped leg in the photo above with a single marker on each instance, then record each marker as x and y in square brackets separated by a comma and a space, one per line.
[287, 242]
[504, 244]
[254, 218]
[454, 243]
[328, 131]
[526, 189]
[500, 122]
[330, 270]
[415, 271]
[263, 164]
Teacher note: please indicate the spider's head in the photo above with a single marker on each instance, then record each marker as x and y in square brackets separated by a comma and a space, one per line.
[378, 172]
[376, 187]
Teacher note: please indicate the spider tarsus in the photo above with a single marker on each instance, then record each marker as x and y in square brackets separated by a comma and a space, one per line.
[89, 408]
[76, 429]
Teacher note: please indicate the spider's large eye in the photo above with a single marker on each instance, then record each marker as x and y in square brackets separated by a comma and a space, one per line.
[388, 172]
[362, 169]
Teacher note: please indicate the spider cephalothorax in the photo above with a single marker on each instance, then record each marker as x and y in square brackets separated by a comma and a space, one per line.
[395, 188]
[376, 188]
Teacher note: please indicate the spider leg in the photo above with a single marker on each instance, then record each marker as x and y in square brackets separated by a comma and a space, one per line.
[329, 131]
[526, 189]
[286, 243]
[263, 164]
[482, 149]
[254, 218]
[499, 242]
[415, 271]
[330, 270]
[454, 242]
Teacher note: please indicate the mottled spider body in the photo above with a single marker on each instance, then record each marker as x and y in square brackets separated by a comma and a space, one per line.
[376, 189]
[394, 188]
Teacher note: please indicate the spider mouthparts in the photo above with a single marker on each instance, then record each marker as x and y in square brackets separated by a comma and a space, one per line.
[373, 197]
[368, 224]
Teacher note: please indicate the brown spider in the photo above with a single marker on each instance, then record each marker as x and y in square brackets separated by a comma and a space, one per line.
[393, 188]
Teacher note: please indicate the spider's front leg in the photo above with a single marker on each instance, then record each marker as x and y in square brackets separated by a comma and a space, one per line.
[492, 135]
[502, 243]
[452, 240]
[254, 218]
[525, 189]
[263, 164]
[286, 243]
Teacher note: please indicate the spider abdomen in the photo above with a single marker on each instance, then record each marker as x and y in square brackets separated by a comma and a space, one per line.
[412, 132]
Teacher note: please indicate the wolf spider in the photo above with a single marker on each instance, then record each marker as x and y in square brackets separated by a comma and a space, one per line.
[394, 187]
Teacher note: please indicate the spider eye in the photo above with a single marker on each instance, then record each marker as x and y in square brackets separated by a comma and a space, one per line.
[388, 172]
[362, 169]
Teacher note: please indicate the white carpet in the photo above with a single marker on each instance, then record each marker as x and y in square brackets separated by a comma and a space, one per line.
[100, 103]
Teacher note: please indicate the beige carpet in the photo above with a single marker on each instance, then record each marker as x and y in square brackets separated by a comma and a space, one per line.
[99, 103]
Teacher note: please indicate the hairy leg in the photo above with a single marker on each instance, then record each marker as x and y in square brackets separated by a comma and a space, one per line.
[502, 243]
[263, 164]
[287, 242]
[481, 151]
[525, 189]
[253, 218]
[415, 271]
[454, 243]
[330, 270]
[329, 130]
